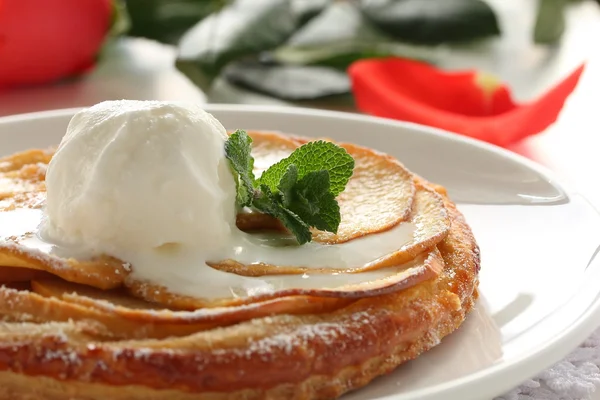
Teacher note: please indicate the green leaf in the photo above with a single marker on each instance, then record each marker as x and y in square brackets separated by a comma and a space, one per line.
[289, 82]
[294, 223]
[314, 203]
[287, 183]
[339, 55]
[340, 22]
[121, 21]
[432, 21]
[237, 150]
[299, 190]
[337, 37]
[119, 25]
[550, 21]
[311, 188]
[314, 156]
[167, 20]
[243, 28]
[306, 10]
[270, 203]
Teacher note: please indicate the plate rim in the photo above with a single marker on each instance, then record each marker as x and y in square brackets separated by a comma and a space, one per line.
[499, 376]
[310, 112]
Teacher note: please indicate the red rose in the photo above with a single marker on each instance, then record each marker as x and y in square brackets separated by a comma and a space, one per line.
[46, 40]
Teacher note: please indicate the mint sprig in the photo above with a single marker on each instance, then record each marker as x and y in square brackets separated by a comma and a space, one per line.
[237, 149]
[299, 190]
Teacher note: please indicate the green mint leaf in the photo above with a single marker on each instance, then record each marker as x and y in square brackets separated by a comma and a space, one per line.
[328, 217]
[299, 191]
[237, 150]
[287, 183]
[314, 184]
[314, 203]
[271, 203]
[313, 157]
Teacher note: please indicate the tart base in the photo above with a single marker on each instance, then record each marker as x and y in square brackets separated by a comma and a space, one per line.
[281, 357]
[23, 387]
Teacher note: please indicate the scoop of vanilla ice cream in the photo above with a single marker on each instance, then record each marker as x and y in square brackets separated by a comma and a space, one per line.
[138, 175]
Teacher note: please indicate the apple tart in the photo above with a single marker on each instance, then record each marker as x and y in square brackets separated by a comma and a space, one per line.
[89, 328]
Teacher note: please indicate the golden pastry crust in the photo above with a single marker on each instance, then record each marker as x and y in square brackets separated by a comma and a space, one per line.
[302, 357]
[99, 344]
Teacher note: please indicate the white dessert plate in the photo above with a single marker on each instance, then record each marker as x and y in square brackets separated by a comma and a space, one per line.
[540, 277]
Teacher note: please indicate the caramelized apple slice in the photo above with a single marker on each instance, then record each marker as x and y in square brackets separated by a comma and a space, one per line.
[23, 305]
[431, 221]
[431, 218]
[12, 274]
[337, 285]
[249, 221]
[13, 201]
[58, 288]
[378, 196]
[64, 301]
[23, 172]
[270, 147]
[101, 272]
[30, 157]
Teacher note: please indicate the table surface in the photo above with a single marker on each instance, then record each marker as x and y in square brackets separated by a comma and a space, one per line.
[140, 69]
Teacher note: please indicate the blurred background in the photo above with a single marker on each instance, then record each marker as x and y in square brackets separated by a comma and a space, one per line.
[497, 70]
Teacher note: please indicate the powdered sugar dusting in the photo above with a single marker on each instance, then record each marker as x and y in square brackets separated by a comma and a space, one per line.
[329, 334]
[319, 334]
[8, 185]
[42, 168]
[143, 353]
[68, 357]
[32, 253]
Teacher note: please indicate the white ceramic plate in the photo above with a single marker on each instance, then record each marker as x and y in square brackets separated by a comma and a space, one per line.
[540, 277]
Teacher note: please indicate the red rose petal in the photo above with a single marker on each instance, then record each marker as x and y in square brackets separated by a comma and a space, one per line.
[455, 101]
